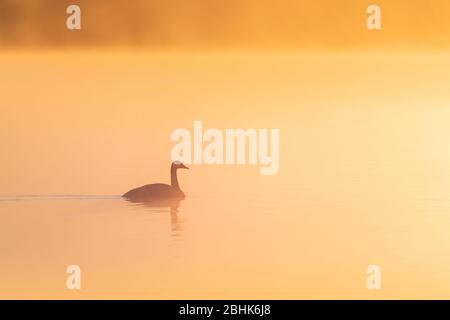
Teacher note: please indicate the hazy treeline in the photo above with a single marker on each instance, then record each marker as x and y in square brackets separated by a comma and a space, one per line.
[218, 23]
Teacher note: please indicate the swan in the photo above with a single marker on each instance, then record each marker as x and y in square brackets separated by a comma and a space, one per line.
[159, 191]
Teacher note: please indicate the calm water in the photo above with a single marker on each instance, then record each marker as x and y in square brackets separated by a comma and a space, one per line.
[364, 177]
[248, 245]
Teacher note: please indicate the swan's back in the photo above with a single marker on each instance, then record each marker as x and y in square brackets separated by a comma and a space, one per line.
[153, 192]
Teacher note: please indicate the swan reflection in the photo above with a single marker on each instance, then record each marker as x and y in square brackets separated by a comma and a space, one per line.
[162, 206]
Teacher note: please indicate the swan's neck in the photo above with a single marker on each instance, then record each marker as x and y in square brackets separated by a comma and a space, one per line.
[173, 178]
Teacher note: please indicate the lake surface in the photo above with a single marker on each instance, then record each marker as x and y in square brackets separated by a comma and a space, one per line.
[364, 176]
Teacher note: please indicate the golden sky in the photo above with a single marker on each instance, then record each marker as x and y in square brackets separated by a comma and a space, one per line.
[261, 24]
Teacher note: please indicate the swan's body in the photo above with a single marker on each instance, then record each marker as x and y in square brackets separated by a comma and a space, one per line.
[156, 191]
[159, 191]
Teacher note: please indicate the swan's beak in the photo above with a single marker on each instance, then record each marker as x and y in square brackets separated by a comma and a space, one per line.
[182, 166]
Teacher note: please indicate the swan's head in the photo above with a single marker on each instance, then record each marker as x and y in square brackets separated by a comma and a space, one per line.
[178, 165]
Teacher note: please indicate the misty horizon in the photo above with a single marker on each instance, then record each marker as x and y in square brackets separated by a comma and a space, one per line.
[234, 24]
